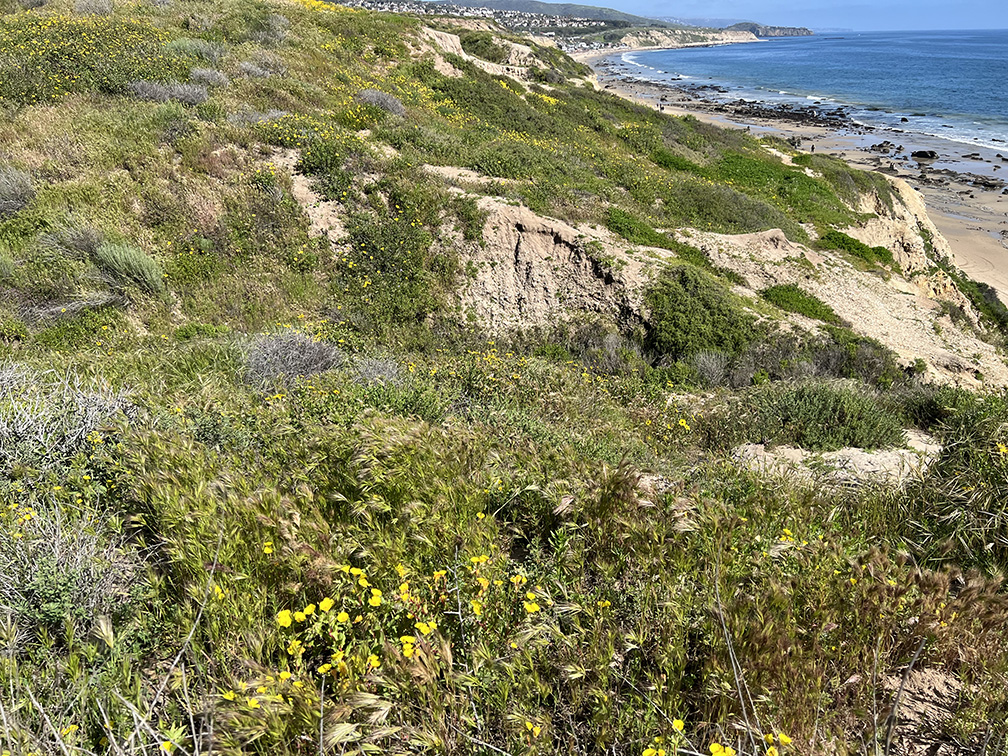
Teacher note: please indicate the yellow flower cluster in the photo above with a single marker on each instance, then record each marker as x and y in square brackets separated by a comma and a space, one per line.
[64, 54]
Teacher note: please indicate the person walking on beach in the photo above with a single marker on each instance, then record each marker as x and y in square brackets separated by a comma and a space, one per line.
[813, 148]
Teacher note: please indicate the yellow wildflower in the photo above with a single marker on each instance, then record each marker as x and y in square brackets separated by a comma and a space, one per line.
[326, 604]
[284, 618]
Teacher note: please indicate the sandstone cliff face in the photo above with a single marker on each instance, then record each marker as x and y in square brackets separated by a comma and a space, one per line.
[440, 43]
[671, 38]
[535, 271]
[899, 228]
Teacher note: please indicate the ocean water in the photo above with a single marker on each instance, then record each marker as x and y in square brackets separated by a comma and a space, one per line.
[952, 85]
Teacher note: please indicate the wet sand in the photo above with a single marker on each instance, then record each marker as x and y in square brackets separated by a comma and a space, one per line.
[963, 188]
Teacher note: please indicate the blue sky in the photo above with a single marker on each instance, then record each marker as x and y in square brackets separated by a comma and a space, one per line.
[857, 14]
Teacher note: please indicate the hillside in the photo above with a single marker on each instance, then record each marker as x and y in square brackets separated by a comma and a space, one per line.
[567, 9]
[370, 386]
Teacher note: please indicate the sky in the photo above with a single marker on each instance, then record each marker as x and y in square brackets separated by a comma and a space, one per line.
[860, 15]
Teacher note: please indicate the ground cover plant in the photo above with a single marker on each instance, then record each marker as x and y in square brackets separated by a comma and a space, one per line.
[793, 298]
[265, 491]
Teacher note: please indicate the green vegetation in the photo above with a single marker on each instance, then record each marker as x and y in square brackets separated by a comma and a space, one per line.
[482, 45]
[834, 239]
[690, 311]
[792, 298]
[269, 492]
[813, 415]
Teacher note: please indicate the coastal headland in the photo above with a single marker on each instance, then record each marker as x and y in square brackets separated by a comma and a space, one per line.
[963, 186]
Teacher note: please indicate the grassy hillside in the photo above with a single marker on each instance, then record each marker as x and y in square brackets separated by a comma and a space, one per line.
[271, 492]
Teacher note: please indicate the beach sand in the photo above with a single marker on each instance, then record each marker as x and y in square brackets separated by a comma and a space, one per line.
[972, 217]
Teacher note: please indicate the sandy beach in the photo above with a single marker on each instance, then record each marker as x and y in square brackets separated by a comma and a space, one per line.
[963, 188]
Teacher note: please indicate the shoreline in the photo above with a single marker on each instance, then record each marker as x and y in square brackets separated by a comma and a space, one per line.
[966, 197]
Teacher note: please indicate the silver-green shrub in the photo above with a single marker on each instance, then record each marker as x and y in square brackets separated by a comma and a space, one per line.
[16, 190]
[288, 355]
[126, 265]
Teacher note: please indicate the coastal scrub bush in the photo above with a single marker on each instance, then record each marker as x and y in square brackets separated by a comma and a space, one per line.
[289, 355]
[261, 66]
[45, 420]
[710, 366]
[209, 77]
[93, 7]
[126, 264]
[199, 49]
[481, 44]
[848, 182]
[834, 239]
[270, 30]
[155, 91]
[691, 311]
[814, 415]
[7, 268]
[792, 298]
[381, 100]
[58, 568]
[982, 296]
[673, 162]
[16, 190]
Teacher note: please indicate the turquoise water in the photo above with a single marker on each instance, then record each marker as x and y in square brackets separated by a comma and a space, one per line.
[952, 85]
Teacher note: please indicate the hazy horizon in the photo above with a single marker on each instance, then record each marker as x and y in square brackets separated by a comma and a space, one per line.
[883, 15]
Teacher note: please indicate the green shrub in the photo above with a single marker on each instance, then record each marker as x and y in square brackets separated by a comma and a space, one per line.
[817, 416]
[7, 270]
[12, 329]
[673, 162]
[848, 182]
[833, 353]
[199, 331]
[982, 296]
[481, 44]
[129, 265]
[834, 239]
[930, 406]
[792, 298]
[691, 311]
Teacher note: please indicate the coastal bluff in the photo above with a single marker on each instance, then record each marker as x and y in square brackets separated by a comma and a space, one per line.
[761, 31]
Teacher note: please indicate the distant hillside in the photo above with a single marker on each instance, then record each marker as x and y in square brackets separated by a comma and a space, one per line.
[562, 9]
[770, 31]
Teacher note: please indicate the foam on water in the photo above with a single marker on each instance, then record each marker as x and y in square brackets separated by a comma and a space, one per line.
[949, 85]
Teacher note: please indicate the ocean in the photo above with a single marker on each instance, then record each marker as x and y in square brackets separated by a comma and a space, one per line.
[952, 85]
